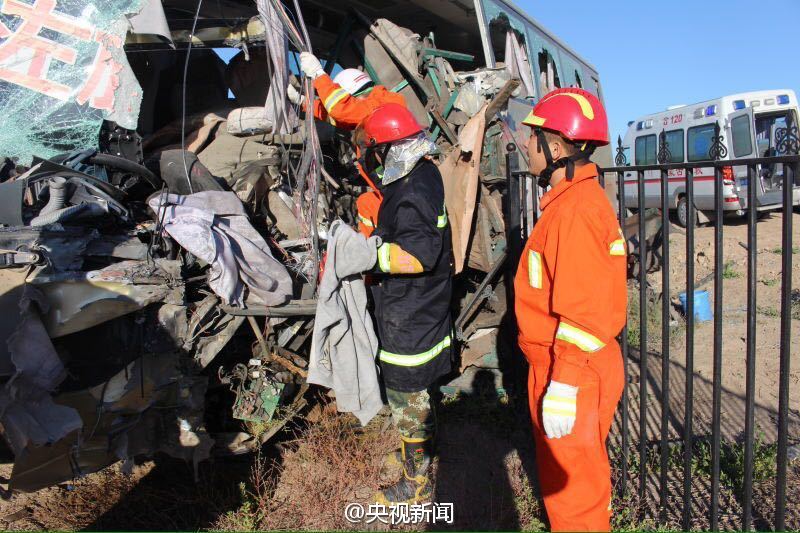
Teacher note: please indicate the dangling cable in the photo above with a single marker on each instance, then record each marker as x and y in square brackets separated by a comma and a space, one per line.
[183, 97]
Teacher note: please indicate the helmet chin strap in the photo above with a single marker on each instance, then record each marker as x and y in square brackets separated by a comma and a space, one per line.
[569, 162]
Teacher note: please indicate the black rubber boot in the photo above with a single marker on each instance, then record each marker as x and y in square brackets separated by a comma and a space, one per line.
[415, 485]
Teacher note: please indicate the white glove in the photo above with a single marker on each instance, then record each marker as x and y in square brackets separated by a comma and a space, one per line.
[310, 65]
[558, 409]
[293, 95]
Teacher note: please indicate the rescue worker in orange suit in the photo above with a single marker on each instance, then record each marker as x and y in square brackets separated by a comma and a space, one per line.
[345, 102]
[414, 286]
[570, 301]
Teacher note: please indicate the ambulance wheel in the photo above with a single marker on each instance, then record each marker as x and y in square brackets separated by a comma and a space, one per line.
[683, 212]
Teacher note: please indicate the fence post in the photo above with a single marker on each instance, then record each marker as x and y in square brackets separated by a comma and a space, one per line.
[664, 157]
[716, 416]
[750, 372]
[643, 354]
[623, 334]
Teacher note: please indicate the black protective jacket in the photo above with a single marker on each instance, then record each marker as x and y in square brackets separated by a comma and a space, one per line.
[412, 311]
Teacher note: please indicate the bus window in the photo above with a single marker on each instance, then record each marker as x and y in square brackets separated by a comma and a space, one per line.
[596, 86]
[572, 70]
[742, 144]
[645, 151]
[546, 56]
[699, 142]
[501, 22]
[674, 140]
[507, 36]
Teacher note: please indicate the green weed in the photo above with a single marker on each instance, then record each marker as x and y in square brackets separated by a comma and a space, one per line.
[779, 250]
[768, 311]
[728, 272]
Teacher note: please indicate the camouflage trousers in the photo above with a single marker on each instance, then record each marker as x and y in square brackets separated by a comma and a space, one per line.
[412, 413]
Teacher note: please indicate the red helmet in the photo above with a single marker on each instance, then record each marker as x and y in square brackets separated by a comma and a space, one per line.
[574, 113]
[388, 123]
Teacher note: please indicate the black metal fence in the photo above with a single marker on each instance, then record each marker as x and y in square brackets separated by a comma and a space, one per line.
[657, 447]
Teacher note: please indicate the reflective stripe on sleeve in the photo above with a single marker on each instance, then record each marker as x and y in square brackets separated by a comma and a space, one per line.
[617, 247]
[414, 359]
[367, 222]
[585, 341]
[334, 98]
[535, 269]
[384, 257]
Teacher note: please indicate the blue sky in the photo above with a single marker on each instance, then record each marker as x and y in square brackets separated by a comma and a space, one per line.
[653, 54]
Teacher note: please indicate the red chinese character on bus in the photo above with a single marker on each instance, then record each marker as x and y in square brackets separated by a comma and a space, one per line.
[25, 56]
[104, 80]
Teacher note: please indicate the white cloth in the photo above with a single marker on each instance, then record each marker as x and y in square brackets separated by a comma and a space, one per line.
[344, 344]
[213, 225]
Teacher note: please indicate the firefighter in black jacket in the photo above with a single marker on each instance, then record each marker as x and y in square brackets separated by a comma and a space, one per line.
[414, 285]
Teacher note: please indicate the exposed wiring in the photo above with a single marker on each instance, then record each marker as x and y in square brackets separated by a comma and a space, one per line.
[183, 97]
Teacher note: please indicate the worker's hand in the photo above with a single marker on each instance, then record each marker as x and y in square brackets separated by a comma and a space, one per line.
[293, 95]
[310, 65]
[558, 409]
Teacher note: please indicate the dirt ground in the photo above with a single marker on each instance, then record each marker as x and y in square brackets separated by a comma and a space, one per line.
[734, 332]
[486, 458]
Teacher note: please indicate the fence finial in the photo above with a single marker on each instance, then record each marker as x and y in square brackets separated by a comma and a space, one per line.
[664, 155]
[620, 160]
[717, 150]
[787, 141]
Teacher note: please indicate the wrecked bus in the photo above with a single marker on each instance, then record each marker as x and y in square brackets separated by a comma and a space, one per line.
[139, 322]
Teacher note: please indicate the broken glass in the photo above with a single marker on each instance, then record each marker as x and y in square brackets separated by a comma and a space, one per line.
[63, 71]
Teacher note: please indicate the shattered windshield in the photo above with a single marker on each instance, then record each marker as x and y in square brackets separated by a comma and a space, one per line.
[62, 71]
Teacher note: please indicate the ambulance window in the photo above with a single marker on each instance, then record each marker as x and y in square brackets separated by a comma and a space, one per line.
[674, 140]
[742, 136]
[699, 142]
[646, 150]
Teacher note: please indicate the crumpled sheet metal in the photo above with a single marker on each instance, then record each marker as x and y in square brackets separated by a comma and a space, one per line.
[122, 417]
[28, 415]
[81, 300]
[209, 330]
[404, 44]
[64, 70]
[460, 171]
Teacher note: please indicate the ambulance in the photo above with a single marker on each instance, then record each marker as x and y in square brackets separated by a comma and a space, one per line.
[753, 125]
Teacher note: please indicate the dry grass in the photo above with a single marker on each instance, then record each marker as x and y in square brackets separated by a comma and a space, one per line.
[327, 466]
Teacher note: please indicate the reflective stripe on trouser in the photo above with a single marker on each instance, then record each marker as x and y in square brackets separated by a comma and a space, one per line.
[414, 359]
[412, 413]
[617, 247]
[574, 472]
[441, 220]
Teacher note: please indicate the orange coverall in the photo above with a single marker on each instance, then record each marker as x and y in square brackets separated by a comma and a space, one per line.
[345, 111]
[570, 302]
